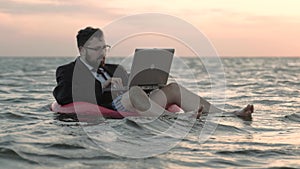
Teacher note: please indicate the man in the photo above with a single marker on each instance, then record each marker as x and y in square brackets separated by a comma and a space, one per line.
[79, 80]
[88, 78]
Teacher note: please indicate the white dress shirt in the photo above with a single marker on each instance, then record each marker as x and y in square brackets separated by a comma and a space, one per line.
[95, 74]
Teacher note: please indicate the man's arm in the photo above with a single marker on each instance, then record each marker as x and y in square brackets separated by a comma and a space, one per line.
[63, 91]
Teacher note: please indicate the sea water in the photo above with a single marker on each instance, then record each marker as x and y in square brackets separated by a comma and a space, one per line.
[31, 136]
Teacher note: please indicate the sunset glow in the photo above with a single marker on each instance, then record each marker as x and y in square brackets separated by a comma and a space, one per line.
[236, 28]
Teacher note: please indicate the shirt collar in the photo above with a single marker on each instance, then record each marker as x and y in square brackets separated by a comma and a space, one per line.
[86, 64]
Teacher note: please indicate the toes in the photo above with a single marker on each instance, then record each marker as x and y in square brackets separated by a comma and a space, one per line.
[252, 108]
[245, 112]
[200, 110]
[249, 108]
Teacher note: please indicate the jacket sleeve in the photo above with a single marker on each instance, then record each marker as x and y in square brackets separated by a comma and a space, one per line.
[63, 91]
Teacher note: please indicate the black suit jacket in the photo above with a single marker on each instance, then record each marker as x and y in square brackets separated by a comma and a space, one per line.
[75, 82]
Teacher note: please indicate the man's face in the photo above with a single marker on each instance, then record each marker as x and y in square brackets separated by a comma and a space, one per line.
[95, 51]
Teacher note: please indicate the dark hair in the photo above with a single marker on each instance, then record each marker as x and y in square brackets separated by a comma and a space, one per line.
[84, 35]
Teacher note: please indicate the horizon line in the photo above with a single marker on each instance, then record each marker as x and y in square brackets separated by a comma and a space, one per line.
[227, 56]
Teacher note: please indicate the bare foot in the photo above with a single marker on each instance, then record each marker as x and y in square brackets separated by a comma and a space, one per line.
[245, 112]
[199, 113]
[139, 99]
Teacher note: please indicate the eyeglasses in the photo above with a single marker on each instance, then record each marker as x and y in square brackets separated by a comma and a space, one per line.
[105, 47]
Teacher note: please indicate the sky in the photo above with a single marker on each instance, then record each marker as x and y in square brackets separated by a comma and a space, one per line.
[234, 27]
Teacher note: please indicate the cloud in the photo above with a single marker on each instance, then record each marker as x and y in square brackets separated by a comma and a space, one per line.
[25, 22]
[49, 2]
[58, 7]
[52, 16]
[48, 25]
[36, 7]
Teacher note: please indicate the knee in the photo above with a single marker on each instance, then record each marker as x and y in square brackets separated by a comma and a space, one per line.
[136, 92]
[135, 89]
[172, 90]
[173, 87]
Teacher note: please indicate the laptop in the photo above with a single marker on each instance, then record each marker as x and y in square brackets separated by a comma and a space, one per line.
[150, 68]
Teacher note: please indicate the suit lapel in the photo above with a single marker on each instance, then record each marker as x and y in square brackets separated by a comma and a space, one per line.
[109, 70]
[84, 68]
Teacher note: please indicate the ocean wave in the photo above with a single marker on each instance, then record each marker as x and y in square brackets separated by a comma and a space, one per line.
[259, 153]
[33, 136]
[13, 155]
[295, 117]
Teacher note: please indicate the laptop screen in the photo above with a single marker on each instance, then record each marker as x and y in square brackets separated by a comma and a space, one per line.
[151, 67]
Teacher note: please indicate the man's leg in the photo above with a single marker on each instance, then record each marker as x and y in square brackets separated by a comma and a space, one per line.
[187, 100]
[176, 94]
[137, 100]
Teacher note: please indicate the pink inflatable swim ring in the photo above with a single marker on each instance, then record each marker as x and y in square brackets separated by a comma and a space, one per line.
[88, 109]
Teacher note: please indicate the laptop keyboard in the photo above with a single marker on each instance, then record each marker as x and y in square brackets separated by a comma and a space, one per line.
[152, 87]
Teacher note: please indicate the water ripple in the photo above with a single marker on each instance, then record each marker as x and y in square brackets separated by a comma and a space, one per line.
[9, 153]
[32, 136]
[295, 117]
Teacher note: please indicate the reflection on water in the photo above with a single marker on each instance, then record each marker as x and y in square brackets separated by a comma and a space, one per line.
[32, 136]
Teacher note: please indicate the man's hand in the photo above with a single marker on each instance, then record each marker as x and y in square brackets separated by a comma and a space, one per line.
[115, 83]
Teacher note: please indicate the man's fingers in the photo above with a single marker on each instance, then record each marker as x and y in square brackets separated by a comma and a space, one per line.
[116, 82]
[120, 82]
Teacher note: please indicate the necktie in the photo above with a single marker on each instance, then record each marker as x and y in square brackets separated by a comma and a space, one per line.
[100, 71]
